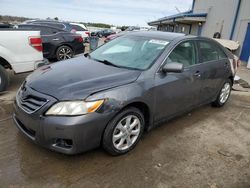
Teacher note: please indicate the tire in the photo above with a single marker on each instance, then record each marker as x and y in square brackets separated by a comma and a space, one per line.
[4, 79]
[120, 145]
[226, 88]
[64, 52]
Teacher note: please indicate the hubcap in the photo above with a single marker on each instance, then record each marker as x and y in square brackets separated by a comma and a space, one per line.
[225, 91]
[126, 132]
[65, 53]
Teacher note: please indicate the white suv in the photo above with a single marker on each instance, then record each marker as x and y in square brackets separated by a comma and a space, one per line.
[80, 29]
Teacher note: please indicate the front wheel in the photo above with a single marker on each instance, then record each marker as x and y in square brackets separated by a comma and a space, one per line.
[224, 94]
[64, 52]
[124, 131]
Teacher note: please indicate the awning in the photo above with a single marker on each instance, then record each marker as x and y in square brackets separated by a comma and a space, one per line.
[185, 17]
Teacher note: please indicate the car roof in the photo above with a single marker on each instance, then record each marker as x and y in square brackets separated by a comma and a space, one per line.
[47, 26]
[157, 34]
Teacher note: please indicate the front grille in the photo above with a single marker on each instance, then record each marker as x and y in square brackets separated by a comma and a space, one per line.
[29, 102]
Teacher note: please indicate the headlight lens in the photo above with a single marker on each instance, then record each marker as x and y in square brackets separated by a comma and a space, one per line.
[74, 108]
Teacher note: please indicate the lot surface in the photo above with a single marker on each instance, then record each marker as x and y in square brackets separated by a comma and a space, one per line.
[209, 147]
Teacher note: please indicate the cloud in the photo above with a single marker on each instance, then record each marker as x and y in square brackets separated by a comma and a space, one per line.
[117, 12]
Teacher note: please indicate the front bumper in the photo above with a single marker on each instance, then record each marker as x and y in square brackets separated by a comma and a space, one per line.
[68, 135]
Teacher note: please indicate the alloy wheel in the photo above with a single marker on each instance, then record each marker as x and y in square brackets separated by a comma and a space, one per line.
[126, 132]
[65, 53]
[225, 92]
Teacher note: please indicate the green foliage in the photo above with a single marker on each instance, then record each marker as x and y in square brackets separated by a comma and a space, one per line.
[102, 25]
[6, 18]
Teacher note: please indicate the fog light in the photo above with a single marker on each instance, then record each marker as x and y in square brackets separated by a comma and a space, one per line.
[64, 143]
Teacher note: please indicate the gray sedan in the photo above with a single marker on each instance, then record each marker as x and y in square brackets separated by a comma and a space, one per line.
[129, 85]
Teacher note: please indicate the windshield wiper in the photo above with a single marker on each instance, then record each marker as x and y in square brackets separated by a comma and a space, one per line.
[106, 62]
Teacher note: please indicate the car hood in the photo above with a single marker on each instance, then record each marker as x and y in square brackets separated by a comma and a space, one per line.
[77, 78]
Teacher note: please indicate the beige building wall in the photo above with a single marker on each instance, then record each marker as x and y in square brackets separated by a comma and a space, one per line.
[220, 16]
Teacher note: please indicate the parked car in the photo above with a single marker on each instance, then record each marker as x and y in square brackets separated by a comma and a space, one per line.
[81, 29]
[133, 28]
[124, 87]
[57, 43]
[105, 32]
[5, 25]
[113, 36]
[20, 51]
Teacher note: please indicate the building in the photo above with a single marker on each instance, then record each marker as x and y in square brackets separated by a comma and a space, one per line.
[227, 19]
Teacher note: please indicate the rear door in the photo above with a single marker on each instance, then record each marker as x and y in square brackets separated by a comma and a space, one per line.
[51, 40]
[178, 92]
[213, 65]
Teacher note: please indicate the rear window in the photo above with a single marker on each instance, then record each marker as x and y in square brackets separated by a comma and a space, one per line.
[210, 52]
[43, 30]
[78, 28]
[52, 24]
[25, 27]
[60, 26]
[47, 30]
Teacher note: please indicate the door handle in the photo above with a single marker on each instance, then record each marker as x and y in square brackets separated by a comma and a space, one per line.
[55, 39]
[197, 74]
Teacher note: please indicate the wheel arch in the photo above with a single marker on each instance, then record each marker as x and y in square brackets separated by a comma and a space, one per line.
[144, 108]
[65, 44]
[231, 78]
[5, 63]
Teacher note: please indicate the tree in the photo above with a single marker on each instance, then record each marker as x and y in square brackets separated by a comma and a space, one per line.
[56, 18]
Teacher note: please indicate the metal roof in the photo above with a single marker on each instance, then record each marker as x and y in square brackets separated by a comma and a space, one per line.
[187, 14]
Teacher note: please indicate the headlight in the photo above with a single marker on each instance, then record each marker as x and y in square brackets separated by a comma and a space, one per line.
[74, 108]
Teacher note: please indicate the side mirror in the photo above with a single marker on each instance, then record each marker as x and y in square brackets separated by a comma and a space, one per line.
[173, 67]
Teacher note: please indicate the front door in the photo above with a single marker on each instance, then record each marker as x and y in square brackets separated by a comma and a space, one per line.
[178, 92]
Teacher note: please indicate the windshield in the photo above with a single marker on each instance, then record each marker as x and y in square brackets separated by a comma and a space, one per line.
[130, 52]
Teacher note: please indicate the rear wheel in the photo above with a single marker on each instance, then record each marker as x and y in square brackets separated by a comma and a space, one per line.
[4, 79]
[64, 52]
[124, 131]
[224, 94]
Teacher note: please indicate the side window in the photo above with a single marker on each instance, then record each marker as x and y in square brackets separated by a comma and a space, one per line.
[184, 53]
[47, 30]
[56, 25]
[78, 28]
[210, 52]
[43, 30]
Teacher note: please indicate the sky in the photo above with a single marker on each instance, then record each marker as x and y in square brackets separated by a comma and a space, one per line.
[116, 12]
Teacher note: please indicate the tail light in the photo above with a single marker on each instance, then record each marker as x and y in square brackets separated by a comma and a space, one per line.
[87, 33]
[79, 38]
[238, 63]
[36, 42]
